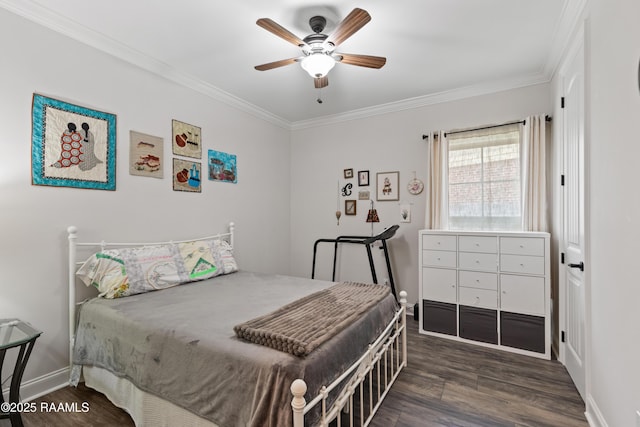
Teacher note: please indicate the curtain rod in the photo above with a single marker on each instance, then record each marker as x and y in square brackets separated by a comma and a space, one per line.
[546, 118]
[522, 122]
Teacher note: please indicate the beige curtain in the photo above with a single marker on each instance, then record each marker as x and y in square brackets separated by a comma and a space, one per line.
[534, 194]
[436, 213]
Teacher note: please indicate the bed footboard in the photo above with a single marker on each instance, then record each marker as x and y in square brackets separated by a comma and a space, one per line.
[369, 379]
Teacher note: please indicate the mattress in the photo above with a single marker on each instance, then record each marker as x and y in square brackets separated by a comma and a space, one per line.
[178, 344]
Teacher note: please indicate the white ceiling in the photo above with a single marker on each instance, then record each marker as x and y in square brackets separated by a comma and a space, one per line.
[435, 49]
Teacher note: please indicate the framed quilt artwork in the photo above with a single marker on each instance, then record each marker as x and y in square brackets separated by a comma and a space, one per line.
[72, 146]
[186, 139]
[222, 167]
[145, 155]
[186, 176]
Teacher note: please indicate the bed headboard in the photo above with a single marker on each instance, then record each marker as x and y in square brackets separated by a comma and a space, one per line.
[79, 251]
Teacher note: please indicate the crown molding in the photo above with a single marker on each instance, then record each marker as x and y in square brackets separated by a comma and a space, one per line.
[55, 22]
[423, 101]
[571, 14]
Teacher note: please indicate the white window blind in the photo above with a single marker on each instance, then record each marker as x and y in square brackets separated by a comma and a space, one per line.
[484, 181]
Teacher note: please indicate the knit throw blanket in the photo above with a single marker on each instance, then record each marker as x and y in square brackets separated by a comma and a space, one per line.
[301, 326]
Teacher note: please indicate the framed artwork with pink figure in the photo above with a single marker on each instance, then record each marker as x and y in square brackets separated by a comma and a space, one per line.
[387, 186]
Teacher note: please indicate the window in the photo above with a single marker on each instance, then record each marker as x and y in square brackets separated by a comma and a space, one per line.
[484, 188]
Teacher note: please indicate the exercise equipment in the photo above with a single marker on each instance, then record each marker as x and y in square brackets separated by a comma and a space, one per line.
[367, 241]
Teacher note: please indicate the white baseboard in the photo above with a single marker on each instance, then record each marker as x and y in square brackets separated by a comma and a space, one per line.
[593, 414]
[40, 386]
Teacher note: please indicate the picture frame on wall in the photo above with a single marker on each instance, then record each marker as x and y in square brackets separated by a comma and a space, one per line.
[146, 155]
[72, 146]
[363, 178]
[187, 176]
[348, 173]
[350, 207]
[186, 139]
[405, 212]
[387, 186]
[222, 166]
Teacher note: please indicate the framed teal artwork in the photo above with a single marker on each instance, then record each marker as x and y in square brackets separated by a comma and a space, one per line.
[222, 167]
[72, 146]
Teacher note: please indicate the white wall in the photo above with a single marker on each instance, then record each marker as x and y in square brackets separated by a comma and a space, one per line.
[613, 52]
[33, 219]
[389, 142]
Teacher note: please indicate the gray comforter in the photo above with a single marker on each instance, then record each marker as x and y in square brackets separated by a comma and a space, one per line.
[179, 344]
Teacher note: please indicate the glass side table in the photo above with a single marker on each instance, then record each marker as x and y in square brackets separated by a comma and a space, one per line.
[15, 333]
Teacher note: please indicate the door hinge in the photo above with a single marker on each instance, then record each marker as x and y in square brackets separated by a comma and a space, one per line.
[562, 258]
[562, 336]
[562, 179]
[562, 102]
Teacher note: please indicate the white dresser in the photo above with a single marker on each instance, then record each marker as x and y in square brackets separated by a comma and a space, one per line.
[487, 288]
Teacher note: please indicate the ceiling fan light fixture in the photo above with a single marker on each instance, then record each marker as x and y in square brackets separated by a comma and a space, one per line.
[318, 64]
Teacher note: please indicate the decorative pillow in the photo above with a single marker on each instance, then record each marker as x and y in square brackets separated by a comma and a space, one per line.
[128, 271]
[106, 272]
[225, 252]
[199, 259]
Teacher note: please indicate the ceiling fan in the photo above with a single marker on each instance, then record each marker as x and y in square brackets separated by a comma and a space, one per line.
[318, 49]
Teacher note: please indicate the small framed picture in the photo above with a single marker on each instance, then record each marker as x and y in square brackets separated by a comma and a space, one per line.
[186, 139]
[405, 212]
[387, 186]
[348, 173]
[350, 207]
[186, 176]
[363, 178]
[145, 155]
[363, 195]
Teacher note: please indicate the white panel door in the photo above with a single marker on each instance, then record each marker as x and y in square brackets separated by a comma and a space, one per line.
[573, 244]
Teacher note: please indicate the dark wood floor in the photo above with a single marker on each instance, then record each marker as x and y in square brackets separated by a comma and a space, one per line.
[446, 384]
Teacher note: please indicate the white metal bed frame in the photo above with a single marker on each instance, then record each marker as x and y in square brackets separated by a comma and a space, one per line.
[372, 375]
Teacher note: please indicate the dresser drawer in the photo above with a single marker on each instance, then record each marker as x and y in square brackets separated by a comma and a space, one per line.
[522, 245]
[522, 264]
[475, 279]
[478, 261]
[474, 297]
[439, 284]
[522, 294]
[440, 317]
[478, 324]
[439, 258]
[478, 244]
[439, 242]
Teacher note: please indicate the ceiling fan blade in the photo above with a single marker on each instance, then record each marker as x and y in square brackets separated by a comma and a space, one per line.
[320, 82]
[362, 60]
[349, 25]
[275, 64]
[279, 31]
